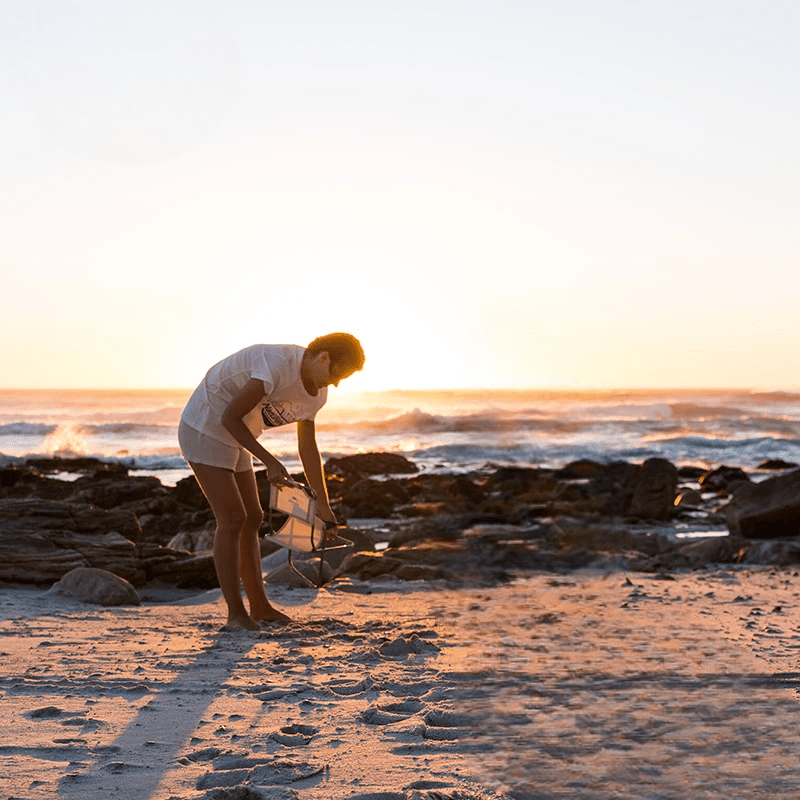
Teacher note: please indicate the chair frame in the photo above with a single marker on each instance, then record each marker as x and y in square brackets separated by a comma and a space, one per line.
[299, 503]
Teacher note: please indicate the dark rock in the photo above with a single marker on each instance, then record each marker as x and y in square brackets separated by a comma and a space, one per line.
[192, 572]
[44, 556]
[361, 541]
[369, 565]
[601, 538]
[690, 473]
[161, 528]
[723, 478]
[311, 572]
[766, 510]
[775, 464]
[441, 527]
[481, 527]
[309, 569]
[33, 514]
[775, 553]
[371, 464]
[429, 488]
[424, 509]
[513, 478]
[76, 464]
[613, 486]
[187, 491]
[110, 471]
[512, 492]
[583, 468]
[195, 541]
[153, 557]
[419, 572]
[713, 550]
[463, 487]
[32, 557]
[571, 493]
[10, 476]
[106, 490]
[654, 490]
[688, 498]
[372, 498]
[42, 540]
[693, 555]
[25, 481]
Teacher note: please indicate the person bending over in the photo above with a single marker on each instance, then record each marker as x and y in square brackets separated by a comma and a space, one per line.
[260, 387]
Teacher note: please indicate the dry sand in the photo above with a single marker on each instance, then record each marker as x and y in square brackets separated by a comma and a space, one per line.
[584, 685]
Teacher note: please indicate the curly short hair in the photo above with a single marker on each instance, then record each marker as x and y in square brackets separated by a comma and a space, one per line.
[343, 348]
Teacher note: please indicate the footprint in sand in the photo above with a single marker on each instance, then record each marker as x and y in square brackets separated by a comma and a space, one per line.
[278, 772]
[350, 689]
[246, 793]
[76, 719]
[374, 716]
[391, 712]
[294, 735]
[449, 719]
[419, 688]
[410, 706]
[416, 790]
[447, 725]
[205, 754]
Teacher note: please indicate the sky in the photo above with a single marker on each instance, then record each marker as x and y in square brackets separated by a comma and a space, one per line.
[488, 193]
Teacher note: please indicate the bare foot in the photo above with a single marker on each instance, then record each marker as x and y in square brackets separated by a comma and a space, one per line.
[241, 623]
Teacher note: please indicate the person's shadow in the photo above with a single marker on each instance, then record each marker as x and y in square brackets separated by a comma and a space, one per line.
[137, 761]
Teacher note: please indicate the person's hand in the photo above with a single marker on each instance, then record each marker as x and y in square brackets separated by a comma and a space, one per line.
[331, 530]
[277, 473]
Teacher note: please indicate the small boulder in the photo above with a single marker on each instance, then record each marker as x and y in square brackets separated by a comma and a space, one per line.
[92, 585]
[654, 490]
[775, 553]
[688, 498]
[766, 510]
[192, 541]
[373, 498]
[582, 468]
[284, 575]
[371, 464]
[775, 464]
[723, 478]
[187, 491]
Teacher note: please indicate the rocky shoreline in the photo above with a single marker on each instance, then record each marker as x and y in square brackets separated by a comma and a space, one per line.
[480, 528]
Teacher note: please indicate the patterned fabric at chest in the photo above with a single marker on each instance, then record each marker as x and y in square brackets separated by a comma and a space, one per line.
[276, 414]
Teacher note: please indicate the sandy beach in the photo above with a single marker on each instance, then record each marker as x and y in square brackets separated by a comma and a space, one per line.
[583, 684]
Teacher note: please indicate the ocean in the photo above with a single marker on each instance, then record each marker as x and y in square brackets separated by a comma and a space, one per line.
[454, 431]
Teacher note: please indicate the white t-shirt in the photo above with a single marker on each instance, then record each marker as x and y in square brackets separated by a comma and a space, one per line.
[285, 398]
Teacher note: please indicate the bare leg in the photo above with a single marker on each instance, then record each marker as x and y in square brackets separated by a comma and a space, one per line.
[222, 491]
[250, 551]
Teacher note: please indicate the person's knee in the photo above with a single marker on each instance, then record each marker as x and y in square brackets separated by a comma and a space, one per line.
[254, 519]
[231, 520]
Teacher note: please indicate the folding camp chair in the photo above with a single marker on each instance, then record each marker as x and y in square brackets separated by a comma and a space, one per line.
[303, 531]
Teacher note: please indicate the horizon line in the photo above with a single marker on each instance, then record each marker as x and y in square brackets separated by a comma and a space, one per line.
[431, 389]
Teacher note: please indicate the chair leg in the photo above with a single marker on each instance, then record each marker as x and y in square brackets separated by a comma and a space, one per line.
[298, 573]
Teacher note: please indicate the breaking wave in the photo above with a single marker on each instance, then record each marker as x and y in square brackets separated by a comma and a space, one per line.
[451, 431]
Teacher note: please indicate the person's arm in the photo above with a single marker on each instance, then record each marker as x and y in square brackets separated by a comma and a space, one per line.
[312, 466]
[233, 421]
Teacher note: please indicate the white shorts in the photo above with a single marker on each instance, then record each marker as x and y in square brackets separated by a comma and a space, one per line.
[202, 449]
